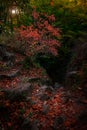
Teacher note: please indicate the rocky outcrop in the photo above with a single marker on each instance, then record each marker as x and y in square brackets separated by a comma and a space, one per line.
[77, 69]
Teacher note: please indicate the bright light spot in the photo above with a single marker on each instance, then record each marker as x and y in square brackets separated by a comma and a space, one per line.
[13, 11]
[37, 90]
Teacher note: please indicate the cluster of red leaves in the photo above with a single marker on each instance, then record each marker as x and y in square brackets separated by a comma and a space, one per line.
[41, 36]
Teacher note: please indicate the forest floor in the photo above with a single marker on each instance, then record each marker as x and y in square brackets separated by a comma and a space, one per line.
[27, 102]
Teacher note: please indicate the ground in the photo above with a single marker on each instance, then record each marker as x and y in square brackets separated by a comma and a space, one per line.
[28, 102]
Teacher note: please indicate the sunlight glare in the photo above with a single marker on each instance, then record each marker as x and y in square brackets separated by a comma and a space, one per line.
[13, 11]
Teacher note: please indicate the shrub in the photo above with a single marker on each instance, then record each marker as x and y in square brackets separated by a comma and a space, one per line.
[40, 37]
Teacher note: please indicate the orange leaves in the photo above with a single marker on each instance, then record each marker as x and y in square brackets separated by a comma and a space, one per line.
[29, 32]
[33, 34]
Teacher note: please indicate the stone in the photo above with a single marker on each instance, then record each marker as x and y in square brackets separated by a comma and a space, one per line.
[30, 79]
[76, 74]
[59, 123]
[27, 125]
[71, 73]
[35, 125]
[46, 88]
[57, 86]
[45, 108]
[44, 97]
[81, 123]
[20, 92]
[45, 82]
[6, 56]
[1, 127]
[9, 75]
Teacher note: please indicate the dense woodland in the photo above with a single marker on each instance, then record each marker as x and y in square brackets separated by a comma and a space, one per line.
[43, 64]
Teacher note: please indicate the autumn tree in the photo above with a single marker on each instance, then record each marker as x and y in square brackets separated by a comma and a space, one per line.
[41, 36]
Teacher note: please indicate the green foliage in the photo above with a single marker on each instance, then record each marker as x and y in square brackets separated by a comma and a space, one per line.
[30, 115]
[25, 20]
[27, 63]
[39, 3]
[22, 111]
[69, 15]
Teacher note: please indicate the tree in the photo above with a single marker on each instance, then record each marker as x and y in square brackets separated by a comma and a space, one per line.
[40, 37]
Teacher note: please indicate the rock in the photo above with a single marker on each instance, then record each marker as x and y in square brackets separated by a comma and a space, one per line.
[71, 73]
[35, 125]
[1, 127]
[19, 93]
[83, 117]
[6, 56]
[45, 82]
[50, 89]
[44, 97]
[45, 108]
[77, 68]
[30, 79]
[58, 123]
[81, 123]
[82, 101]
[2, 51]
[73, 78]
[27, 125]
[46, 88]
[57, 86]
[42, 90]
[9, 75]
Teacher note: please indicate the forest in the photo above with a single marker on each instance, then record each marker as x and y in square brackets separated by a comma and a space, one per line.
[43, 64]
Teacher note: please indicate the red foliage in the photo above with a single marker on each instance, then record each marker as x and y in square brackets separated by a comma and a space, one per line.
[41, 36]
